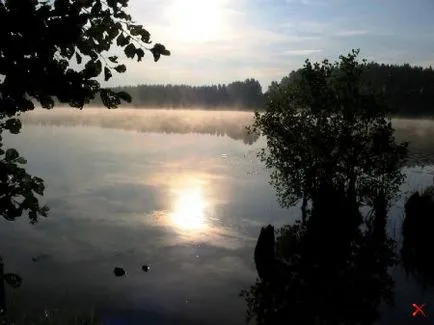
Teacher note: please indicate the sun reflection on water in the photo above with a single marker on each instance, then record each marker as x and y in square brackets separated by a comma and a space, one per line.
[189, 210]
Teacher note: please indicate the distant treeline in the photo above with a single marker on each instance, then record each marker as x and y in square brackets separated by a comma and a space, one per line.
[407, 89]
[236, 95]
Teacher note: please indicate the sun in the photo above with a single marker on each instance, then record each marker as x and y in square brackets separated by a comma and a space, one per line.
[196, 20]
[189, 210]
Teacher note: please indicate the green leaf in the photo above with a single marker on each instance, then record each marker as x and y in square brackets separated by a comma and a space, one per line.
[96, 9]
[107, 74]
[162, 49]
[93, 55]
[44, 211]
[140, 54]
[61, 5]
[122, 40]
[113, 59]
[138, 30]
[124, 96]
[86, 3]
[67, 52]
[112, 3]
[130, 51]
[121, 68]
[122, 15]
[46, 102]
[109, 98]
[38, 185]
[92, 68]
[11, 154]
[13, 125]
[156, 55]
[14, 280]
[31, 203]
[158, 50]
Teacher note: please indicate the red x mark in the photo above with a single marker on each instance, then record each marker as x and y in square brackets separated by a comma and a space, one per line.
[418, 310]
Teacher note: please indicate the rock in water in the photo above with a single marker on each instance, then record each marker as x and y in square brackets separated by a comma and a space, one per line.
[118, 271]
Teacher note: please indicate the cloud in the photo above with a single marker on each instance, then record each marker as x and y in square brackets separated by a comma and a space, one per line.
[243, 47]
[301, 52]
[305, 27]
[356, 32]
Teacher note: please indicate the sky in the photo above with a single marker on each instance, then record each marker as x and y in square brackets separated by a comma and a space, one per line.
[220, 41]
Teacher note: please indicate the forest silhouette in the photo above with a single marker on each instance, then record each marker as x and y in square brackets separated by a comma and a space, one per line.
[408, 90]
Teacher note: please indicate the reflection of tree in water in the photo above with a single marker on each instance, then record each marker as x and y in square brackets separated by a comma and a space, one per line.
[418, 241]
[327, 270]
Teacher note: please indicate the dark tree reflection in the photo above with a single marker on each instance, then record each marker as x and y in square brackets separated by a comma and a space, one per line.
[418, 241]
[331, 269]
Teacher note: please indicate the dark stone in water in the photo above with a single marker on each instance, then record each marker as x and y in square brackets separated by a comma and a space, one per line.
[118, 271]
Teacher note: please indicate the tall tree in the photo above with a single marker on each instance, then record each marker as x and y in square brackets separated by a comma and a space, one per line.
[329, 139]
[325, 124]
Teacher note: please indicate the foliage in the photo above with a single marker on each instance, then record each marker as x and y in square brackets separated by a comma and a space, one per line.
[55, 51]
[245, 94]
[60, 50]
[19, 191]
[324, 123]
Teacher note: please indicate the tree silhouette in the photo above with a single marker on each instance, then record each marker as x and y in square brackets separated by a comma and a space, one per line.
[56, 56]
[324, 123]
[330, 142]
[407, 90]
[237, 95]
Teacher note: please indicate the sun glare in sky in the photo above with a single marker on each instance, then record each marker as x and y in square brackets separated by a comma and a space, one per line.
[196, 20]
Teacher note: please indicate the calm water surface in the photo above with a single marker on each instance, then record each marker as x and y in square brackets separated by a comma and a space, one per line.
[180, 191]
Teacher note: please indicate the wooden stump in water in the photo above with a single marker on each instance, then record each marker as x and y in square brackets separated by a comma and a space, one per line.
[264, 253]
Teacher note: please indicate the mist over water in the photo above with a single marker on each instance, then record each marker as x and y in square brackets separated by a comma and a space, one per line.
[419, 132]
[219, 123]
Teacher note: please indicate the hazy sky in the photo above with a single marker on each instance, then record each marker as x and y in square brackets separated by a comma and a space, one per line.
[219, 41]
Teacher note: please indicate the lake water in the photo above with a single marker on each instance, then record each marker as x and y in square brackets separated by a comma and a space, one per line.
[180, 191]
